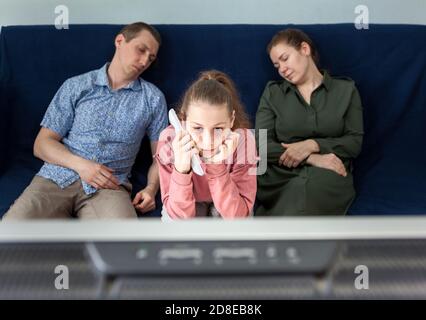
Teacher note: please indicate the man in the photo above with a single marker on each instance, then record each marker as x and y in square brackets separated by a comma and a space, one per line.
[91, 134]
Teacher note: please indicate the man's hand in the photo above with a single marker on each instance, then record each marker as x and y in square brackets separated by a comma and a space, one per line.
[97, 175]
[297, 152]
[327, 161]
[144, 200]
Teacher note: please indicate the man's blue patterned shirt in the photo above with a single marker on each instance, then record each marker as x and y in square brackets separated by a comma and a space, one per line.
[103, 125]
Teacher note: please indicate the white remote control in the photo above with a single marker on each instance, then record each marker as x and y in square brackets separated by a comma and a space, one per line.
[195, 160]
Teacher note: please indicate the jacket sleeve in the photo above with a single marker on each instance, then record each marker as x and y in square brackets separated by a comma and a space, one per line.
[177, 192]
[234, 191]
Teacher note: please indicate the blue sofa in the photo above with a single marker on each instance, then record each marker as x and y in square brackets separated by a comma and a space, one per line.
[388, 63]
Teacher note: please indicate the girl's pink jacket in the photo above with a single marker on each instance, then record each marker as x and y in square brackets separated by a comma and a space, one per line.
[231, 185]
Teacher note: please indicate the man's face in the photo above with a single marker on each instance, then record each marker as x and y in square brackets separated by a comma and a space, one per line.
[136, 55]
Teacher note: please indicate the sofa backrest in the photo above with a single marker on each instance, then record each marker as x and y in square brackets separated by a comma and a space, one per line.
[387, 62]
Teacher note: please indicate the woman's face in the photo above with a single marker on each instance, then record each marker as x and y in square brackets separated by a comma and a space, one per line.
[292, 64]
[208, 125]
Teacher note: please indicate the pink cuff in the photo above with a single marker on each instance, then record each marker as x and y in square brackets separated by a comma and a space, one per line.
[181, 178]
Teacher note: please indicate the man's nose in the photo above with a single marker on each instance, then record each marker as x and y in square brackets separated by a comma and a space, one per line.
[143, 61]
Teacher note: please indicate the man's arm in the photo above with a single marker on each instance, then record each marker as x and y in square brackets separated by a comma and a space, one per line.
[48, 147]
[144, 200]
[153, 177]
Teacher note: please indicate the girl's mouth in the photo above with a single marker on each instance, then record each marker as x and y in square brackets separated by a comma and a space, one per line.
[208, 153]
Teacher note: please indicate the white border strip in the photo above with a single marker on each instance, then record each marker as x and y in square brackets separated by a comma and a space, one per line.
[361, 227]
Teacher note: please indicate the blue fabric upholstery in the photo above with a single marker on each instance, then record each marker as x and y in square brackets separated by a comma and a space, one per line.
[388, 63]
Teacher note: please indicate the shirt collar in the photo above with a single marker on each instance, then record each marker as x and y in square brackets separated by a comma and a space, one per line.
[326, 82]
[102, 79]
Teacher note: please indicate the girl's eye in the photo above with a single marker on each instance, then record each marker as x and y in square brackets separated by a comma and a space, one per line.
[197, 128]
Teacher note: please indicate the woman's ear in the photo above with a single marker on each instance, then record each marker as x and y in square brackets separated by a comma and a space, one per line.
[305, 48]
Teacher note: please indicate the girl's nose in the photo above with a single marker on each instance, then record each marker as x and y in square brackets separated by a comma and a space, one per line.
[207, 140]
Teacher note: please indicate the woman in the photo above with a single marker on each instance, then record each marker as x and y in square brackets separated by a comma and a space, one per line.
[314, 131]
[214, 127]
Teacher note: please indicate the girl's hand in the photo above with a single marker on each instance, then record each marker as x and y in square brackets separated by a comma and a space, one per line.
[183, 149]
[226, 149]
[327, 161]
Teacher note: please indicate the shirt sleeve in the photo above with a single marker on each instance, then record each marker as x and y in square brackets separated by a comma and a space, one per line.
[234, 192]
[59, 116]
[265, 119]
[349, 144]
[159, 120]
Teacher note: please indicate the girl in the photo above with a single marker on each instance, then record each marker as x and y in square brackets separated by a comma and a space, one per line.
[215, 126]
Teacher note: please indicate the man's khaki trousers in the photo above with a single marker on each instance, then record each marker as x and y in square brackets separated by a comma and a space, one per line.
[44, 199]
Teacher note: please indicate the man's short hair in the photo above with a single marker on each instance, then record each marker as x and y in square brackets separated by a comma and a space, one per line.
[132, 30]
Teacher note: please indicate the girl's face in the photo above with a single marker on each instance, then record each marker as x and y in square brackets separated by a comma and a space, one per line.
[208, 125]
[292, 64]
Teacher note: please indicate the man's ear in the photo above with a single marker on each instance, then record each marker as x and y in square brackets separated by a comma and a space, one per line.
[119, 39]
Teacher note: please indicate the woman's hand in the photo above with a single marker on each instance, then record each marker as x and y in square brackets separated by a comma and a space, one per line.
[226, 149]
[327, 161]
[297, 152]
[183, 149]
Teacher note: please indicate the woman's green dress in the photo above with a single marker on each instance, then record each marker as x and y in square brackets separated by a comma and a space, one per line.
[334, 120]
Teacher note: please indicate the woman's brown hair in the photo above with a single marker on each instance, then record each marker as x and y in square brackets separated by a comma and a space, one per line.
[216, 88]
[294, 38]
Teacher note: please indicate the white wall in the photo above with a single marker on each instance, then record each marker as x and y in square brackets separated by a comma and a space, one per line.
[19, 12]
